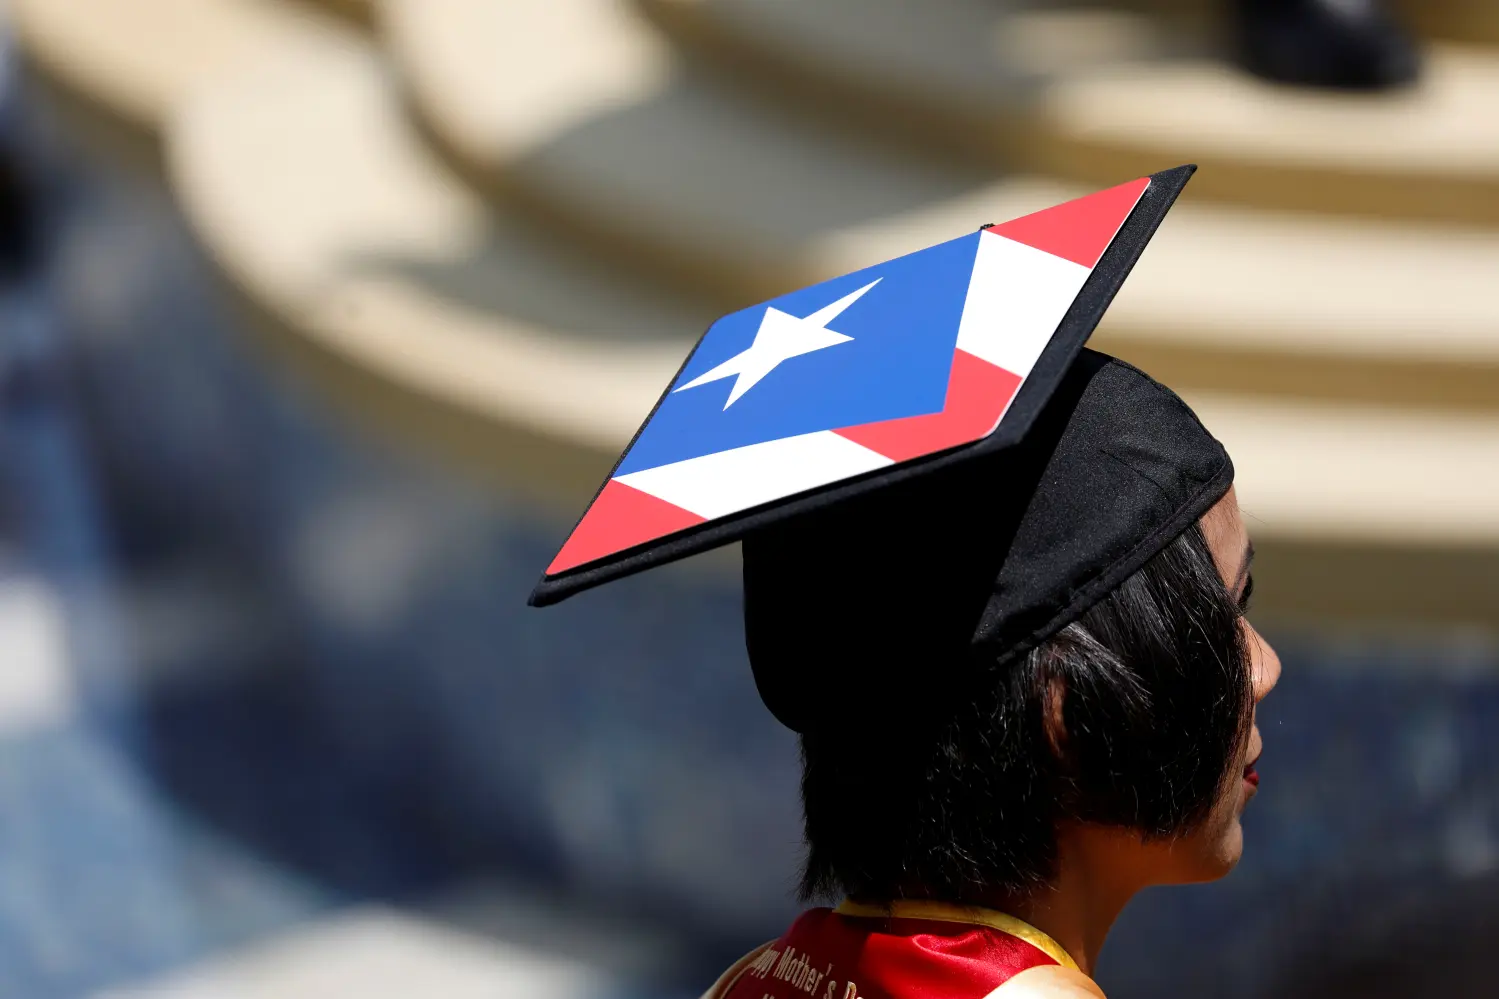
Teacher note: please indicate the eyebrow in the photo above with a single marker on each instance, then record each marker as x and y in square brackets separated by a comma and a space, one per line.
[1244, 567]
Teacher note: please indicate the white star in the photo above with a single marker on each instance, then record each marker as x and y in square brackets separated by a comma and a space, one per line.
[780, 336]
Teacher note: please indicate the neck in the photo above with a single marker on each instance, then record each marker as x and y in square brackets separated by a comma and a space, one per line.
[1095, 881]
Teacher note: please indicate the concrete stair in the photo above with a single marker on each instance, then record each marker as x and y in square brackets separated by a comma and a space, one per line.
[1350, 361]
[359, 12]
[1304, 468]
[219, 160]
[344, 273]
[1474, 21]
[629, 151]
[137, 60]
[1097, 93]
[309, 188]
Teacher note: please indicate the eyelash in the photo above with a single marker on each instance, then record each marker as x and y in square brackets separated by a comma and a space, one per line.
[1244, 597]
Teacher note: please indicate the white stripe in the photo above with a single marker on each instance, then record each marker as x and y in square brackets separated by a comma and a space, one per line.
[1017, 296]
[729, 481]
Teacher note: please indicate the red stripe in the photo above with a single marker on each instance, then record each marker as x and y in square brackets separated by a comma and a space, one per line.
[620, 518]
[1078, 230]
[977, 394]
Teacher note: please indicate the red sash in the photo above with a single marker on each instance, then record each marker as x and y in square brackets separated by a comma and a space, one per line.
[921, 950]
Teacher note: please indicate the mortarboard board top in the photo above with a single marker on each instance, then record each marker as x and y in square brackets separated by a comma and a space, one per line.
[862, 381]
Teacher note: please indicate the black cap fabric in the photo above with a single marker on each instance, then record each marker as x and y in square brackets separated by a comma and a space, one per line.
[858, 611]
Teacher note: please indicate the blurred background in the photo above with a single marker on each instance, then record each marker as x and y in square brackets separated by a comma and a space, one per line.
[319, 323]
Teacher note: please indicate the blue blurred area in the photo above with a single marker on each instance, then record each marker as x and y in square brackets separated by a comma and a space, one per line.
[308, 672]
[306, 678]
[1380, 797]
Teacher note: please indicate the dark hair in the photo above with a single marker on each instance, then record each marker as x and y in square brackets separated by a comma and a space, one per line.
[1155, 694]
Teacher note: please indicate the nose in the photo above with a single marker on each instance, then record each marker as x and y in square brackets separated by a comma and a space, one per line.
[1264, 664]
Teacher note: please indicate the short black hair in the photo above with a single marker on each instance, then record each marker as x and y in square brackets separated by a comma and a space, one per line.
[1154, 682]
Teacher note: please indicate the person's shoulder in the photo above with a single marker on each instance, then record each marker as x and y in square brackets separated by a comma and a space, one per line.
[731, 977]
[1048, 981]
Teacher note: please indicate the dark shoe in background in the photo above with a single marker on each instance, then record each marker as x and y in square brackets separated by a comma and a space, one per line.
[1336, 44]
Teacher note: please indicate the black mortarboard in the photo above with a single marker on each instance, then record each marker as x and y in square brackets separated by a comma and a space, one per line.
[917, 458]
[855, 611]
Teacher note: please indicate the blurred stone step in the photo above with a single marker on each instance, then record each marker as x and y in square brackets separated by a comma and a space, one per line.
[1095, 93]
[360, 12]
[428, 261]
[1428, 153]
[378, 281]
[949, 75]
[134, 60]
[641, 161]
[1474, 21]
[1366, 513]
[578, 115]
[401, 289]
[305, 186]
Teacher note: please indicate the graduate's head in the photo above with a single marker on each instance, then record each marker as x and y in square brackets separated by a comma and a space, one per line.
[994, 580]
[1025, 661]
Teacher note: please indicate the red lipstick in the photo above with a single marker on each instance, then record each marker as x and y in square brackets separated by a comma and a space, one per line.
[1252, 776]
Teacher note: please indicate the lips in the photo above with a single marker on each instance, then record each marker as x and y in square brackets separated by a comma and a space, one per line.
[1251, 775]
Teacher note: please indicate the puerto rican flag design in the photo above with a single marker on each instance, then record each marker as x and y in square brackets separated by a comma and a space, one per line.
[900, 360]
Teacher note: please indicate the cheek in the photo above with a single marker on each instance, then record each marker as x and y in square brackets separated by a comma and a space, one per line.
[1222, 834]
[1212, 849]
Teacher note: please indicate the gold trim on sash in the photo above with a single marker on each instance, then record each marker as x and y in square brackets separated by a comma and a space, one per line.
[946, 913]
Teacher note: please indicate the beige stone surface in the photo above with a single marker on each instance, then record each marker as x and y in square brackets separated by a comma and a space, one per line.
[551, 66]
[307, 185]
[304, 182]
[973, 59]
[1445, 126]
[359, 11]
[1359, 473]
[710, 189]
[1093, 92]
[1473, 21]
[137, 58]
[1431, 151]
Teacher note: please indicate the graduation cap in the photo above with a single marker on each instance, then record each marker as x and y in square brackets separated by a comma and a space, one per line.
[919, 457]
